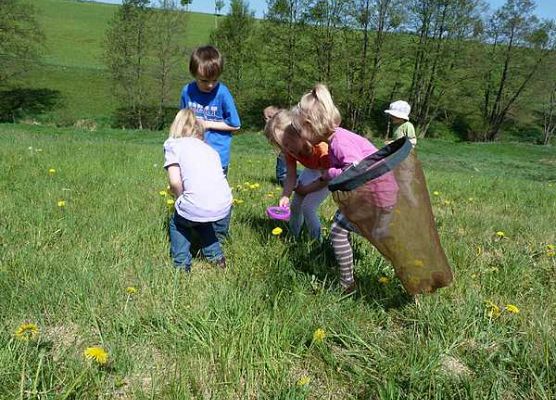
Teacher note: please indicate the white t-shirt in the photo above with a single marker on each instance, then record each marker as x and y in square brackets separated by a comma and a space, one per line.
[206, 194]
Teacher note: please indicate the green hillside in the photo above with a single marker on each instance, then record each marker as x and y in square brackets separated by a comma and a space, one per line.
[72, 60]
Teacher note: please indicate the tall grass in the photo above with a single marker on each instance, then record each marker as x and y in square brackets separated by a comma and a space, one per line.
[248, 332]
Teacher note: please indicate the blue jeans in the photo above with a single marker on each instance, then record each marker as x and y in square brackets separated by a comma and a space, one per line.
[222, 227]
[281, 169]
[181, 236]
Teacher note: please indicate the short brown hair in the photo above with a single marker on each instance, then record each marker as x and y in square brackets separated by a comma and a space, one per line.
[206, 61]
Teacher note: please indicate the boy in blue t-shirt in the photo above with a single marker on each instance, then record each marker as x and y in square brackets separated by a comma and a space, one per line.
[214, 106]
[211, 101]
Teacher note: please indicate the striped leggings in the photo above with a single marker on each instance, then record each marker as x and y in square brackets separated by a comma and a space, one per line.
[339, 235]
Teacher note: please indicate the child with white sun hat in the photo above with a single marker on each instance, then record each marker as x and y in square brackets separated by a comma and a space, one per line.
[399, 115]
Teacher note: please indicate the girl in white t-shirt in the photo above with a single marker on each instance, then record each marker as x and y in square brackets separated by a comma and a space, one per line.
[202, 191]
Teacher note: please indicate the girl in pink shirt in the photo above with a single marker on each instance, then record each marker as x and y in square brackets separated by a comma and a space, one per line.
[317, 119]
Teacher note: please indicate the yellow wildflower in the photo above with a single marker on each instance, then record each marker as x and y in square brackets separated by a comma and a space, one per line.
[418, 263]
[61, 203]
[384, 280]
[276, 231]
[493, 311]
[238, 201]
[51, 171]
[170, 202]
[163, 193]
[550, 247]
[131, 290]
[27, 331]
[512, 308]
[551, 253]
[500, 234]
[303, 381]
[436, 193]
[447, 202]
[470, 199]
[319, 335]
[96, 354]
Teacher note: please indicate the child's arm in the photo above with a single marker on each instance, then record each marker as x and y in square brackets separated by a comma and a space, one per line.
[218, 126]
[311, 187]
[289, 182]
[174, 179]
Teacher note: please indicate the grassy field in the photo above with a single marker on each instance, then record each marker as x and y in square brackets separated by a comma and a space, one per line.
[95, 271]
[72, 57]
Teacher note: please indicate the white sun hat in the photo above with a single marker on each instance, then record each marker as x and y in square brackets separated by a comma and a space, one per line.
[399, 109]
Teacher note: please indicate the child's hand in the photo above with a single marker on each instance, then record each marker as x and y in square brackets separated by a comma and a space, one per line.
[284, 201]
[202, 122]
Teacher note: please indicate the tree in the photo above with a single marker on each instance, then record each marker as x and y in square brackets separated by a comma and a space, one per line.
[125, 54]
[519, 45]
[20, 39]
[218, 6]
[372, 20]
[443, 29]
[284, 34]
[167, 30]
[235, 39]
[326, 19]
[549, 116]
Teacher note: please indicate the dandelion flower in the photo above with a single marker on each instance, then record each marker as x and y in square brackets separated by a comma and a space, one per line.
[61, 203]
[418, 263]
[501, 234]
[276, 231]
[303, 381]
[319, 335]
[384, 280]
[163, 193]
[550, 247]
[493, 311]
[470, 199]
[238, 201]
[436, 193]
[447, 202]
[551, 253]
[96, 354]
[512, 308]
[51, 171]
[27, 331]
[170, 202]
[131, 290]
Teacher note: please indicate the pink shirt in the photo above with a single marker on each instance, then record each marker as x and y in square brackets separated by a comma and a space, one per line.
[347, 147]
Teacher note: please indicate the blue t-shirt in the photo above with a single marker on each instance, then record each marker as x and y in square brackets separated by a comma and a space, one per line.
[217, 105]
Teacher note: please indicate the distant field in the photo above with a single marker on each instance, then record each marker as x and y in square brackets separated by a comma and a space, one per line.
[72, 60]
[95, 271]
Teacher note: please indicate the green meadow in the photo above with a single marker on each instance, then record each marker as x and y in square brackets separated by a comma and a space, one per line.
[72, 58]
[84, 262]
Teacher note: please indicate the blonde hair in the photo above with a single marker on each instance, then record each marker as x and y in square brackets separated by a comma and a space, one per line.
[270, 111]
[186, 125]
[278, 123]
[316, 111]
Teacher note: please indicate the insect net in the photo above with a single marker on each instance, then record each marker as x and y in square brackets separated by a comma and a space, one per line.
[385, 196]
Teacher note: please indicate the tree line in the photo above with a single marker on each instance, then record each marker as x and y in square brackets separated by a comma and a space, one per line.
[463, 68]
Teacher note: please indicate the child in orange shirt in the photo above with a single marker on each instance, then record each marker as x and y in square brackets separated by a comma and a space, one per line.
[310, 189]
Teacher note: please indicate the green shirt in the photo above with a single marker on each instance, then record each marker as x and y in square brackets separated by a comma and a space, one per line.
[406, 129]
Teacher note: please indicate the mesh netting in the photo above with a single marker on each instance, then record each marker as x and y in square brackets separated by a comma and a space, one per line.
[385, 196]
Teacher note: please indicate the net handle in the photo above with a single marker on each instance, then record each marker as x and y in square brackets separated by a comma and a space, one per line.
[389, 157]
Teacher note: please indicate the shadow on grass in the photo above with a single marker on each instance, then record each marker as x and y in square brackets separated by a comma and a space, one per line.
[18, 103]
[316, 260]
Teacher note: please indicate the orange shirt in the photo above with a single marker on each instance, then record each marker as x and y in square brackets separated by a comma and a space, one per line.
[317, 160]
